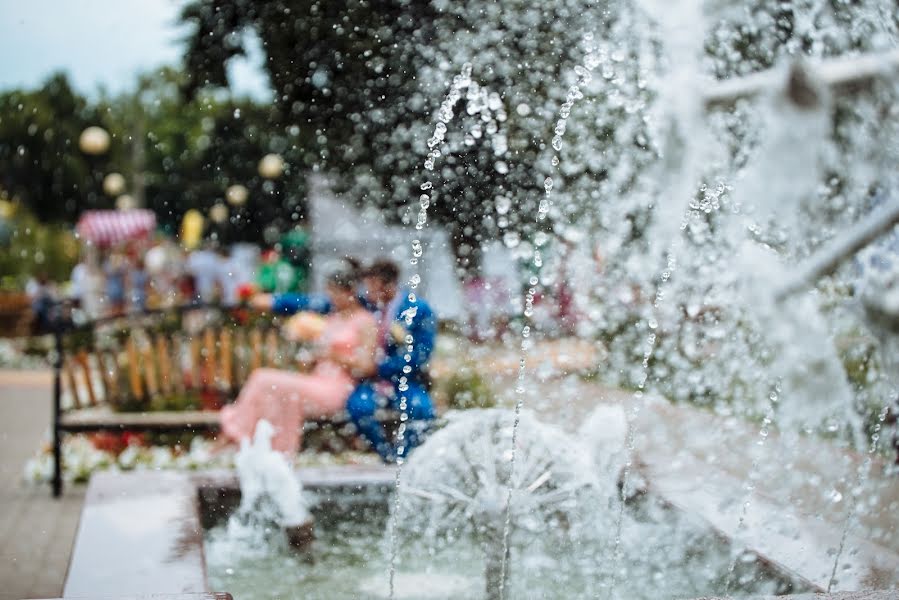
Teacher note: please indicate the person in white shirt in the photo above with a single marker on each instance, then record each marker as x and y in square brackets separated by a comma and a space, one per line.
[205, 265]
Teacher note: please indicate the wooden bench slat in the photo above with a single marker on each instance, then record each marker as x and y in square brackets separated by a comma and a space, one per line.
[196, 362]
[209, 360]
[69, 377]
[151, 381]
[103, 417]
[165, 364]
[134, 378]
[256, 344]
[226, 358]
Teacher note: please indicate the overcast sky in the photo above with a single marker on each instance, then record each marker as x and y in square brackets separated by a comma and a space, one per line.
[100, 43]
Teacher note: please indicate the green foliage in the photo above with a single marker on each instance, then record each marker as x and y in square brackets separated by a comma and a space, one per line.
[194, 149]
[360, 82]
[176, 154]
[40, 164]
[78, 339]
[32, 248]
[467, 388]
[175, 401]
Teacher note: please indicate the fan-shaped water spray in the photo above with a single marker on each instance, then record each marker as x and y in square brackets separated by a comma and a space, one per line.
[459, 482]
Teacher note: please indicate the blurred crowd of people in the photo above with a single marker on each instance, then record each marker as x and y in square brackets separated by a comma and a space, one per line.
[140, 275]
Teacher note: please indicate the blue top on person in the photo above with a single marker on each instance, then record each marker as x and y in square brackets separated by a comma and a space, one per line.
[400, 315]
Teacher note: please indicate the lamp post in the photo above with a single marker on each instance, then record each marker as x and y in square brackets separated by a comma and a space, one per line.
[94, 143]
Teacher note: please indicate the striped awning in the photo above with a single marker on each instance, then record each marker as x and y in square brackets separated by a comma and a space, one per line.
[104, 227]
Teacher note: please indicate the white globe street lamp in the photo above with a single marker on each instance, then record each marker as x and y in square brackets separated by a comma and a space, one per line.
[125, 202]
[271, 166]
[218, 213]
[94, 141]
[114, 184]
[236, 195]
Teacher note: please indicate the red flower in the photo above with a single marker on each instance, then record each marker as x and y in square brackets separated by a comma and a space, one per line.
[116, 442]
[245, 291]
[133, 438]
[211, 399]
[108, 441]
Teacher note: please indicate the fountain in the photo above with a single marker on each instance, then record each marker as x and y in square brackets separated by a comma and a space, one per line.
[271, 499]
[736, 238]
[450, 519]
[500, 484]
[458, 484]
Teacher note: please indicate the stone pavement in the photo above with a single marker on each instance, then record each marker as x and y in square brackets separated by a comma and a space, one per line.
[36, 531]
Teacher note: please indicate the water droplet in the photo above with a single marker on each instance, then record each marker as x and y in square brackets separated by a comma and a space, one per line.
[426, 185]
[511, 239]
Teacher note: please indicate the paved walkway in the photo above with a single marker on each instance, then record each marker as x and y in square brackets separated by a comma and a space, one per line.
[36, 532]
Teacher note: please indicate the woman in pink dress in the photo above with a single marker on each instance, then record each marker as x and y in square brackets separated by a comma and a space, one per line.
[345, 353]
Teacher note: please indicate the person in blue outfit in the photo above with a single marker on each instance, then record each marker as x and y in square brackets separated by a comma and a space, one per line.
[400, 373]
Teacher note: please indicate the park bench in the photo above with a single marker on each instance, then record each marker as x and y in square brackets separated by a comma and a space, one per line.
[161, 371]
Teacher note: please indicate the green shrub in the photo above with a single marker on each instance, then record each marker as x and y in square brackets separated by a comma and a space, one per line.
[32, 247]
[467, 388]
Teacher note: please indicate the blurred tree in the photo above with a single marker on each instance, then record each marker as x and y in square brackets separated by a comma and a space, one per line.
[194, 149]
[40, 163]
[30, 248]
[174, 154]
[364, 82]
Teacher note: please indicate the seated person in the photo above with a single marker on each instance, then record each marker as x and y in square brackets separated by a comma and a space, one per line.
[344, 355]
[396, 378]
[401, 371]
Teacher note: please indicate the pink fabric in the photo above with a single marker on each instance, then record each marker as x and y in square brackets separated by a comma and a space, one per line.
[286, 399]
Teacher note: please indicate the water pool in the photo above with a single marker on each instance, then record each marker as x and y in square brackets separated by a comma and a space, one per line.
[664, 554]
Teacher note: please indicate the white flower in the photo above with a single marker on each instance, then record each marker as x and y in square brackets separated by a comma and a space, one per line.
[129, 457]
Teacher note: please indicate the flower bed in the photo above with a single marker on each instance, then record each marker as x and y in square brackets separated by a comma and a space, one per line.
[22, 354]
[85, 454]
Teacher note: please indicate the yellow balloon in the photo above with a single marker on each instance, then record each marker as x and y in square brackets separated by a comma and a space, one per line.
[191, 229]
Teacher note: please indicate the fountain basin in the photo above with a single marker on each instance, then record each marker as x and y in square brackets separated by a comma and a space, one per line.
[796, 515]
[143, 533]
